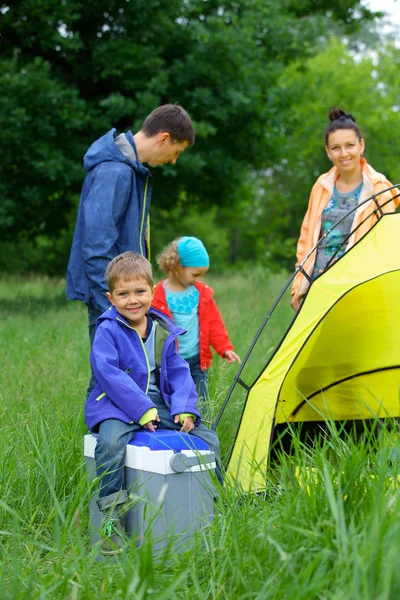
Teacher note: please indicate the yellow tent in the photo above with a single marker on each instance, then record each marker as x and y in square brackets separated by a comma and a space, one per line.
[340, 358]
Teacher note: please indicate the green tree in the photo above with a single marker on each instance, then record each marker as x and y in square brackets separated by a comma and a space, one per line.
[71, 70]
[40, 118]
[366, 86]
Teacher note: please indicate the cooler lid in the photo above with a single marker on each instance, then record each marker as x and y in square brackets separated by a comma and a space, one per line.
[167, 439]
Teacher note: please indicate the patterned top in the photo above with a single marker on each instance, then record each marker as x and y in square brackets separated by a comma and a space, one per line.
[184, 309]
[338, 206]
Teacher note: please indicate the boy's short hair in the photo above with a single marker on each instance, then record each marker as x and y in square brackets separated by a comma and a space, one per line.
[172, 119]
[128, 265]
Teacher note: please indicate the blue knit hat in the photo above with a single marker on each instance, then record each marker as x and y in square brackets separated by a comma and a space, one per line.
[192, 252]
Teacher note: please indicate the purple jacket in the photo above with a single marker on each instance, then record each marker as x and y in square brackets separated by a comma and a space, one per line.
[119, 363]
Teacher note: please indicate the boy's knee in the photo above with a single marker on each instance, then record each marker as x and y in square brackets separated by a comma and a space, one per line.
[214, 439]
[209, 436]
[109, 446]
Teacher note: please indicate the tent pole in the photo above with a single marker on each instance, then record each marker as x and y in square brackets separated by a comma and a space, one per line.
[299, 269]
[237, 378]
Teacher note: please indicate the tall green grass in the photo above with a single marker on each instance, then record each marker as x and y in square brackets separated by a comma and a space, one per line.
[327, 526]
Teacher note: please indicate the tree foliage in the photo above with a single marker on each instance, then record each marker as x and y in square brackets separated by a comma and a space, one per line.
[71, 70]
[366, 86]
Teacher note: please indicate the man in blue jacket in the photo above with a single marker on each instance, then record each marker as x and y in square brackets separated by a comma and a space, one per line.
[115, 202]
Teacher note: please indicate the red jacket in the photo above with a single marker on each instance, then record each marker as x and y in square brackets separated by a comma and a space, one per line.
[211, 326]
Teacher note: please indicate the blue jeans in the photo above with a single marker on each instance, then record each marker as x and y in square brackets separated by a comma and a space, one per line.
[93, 315]
[113, 437]
[199, 377]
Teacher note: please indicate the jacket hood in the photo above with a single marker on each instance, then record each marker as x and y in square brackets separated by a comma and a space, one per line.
[112, 314]
[104, 149]
[372, 175]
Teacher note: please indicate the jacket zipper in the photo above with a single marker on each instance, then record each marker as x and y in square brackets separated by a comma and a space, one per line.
[144, 350]
[143, 213]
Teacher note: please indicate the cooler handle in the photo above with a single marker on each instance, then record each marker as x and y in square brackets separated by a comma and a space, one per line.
[180, 462]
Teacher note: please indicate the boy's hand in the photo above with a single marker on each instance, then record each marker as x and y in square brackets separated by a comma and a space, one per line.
[150, 425]
[231, 356]
[187, 425]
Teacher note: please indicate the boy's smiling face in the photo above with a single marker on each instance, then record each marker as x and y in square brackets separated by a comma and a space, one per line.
[132, 299]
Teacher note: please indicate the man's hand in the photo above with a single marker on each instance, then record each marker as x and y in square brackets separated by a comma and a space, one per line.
[231, 356]
[150, 425]
[187, 425]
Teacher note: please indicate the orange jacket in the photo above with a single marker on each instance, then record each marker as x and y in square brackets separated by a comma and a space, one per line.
[211, 326]
[373, 182]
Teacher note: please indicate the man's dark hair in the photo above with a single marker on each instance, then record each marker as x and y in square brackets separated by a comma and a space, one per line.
[172, 119]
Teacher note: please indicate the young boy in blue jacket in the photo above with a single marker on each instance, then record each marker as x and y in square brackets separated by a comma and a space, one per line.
[143, 382]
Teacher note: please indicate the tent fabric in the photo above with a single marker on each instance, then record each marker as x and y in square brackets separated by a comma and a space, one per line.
[340, 358]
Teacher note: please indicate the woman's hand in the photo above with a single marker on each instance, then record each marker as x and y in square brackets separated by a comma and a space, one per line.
[295, 304]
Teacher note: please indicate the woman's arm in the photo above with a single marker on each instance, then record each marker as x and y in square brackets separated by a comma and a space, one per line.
[305, 241]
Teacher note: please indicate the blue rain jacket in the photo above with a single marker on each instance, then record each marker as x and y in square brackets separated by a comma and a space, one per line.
[112, 218]
[121, 367]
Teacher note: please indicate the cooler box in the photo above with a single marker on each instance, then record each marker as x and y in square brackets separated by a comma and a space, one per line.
[169, 477]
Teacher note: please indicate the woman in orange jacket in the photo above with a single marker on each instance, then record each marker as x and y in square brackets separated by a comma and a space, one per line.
[350, 181]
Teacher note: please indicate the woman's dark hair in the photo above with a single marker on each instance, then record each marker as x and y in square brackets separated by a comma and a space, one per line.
[341, 120]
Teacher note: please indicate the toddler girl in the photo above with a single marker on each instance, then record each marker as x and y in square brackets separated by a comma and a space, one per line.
[190, 304]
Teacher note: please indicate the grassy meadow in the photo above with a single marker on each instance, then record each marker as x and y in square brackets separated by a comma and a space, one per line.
[328, 526]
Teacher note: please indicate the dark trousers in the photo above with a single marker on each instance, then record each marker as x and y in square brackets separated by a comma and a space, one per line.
[93, 315]
[200, 379]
